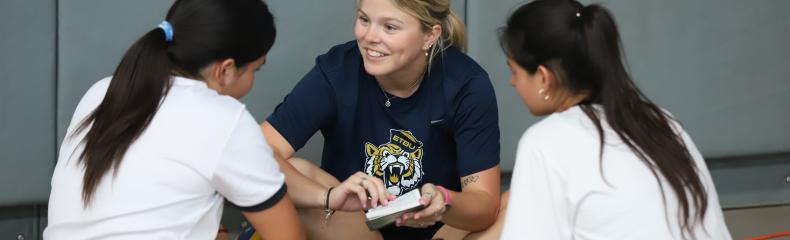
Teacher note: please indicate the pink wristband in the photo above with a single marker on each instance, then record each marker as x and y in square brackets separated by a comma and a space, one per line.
[447, 199]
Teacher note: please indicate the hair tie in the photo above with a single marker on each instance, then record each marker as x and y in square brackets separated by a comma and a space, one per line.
[168, 28]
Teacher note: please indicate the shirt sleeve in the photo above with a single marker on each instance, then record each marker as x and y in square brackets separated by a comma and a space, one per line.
[476, 126]
[309, 107]
[538, 207]
[247, 173]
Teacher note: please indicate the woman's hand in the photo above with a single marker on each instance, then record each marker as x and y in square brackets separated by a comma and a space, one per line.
[359, 192]
[433, 199]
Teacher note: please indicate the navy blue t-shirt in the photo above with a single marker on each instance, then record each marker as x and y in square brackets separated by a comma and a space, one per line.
[446, 130]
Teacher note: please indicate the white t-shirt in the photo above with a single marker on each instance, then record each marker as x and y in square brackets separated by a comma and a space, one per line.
[558, 192]
[199, 147]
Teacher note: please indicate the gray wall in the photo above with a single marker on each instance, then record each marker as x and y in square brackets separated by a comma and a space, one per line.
[719, 66]
[27, 114]
[298, 43]
[27, 100]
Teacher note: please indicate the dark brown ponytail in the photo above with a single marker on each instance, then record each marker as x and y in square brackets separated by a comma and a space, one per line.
[203, 31]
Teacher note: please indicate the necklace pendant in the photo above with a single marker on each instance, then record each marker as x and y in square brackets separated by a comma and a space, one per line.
[387, 103]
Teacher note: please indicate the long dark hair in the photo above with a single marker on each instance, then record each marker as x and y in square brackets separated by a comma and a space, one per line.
[204, 31]
[583, 45]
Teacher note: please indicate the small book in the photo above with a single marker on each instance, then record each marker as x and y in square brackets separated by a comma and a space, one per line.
[383, 216]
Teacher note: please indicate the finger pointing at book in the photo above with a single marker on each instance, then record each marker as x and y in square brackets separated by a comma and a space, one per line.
[375, 191]
[358, 192]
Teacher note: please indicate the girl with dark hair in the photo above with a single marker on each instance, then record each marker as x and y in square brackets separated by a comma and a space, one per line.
[153, 151]
[606, 162]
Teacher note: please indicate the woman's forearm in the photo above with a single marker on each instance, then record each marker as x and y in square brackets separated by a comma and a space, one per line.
[303, 191]
[471, 210]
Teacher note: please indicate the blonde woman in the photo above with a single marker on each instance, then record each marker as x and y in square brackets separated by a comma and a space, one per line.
[400, 108]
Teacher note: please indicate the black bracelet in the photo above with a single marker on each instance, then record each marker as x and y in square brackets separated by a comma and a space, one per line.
[327, 211]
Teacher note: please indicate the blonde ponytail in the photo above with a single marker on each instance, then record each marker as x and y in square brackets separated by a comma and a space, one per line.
[454, 31]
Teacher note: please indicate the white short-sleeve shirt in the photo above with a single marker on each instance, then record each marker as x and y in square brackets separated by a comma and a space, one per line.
[199, 148]
[558, 190]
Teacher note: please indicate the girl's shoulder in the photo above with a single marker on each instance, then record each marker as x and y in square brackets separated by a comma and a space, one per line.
[570, 125]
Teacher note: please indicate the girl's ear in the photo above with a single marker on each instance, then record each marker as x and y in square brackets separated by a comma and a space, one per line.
[225, 72]
[220, 74]
[547, 79]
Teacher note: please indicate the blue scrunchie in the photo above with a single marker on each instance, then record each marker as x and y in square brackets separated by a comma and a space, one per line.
[165, 26]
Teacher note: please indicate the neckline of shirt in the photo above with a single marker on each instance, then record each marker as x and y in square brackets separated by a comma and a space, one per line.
[423, 84]
[178, 80]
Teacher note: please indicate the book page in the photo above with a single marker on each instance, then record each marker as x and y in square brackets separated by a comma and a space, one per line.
[405, 202]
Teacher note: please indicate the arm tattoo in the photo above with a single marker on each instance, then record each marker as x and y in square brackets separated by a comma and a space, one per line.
[469, 180]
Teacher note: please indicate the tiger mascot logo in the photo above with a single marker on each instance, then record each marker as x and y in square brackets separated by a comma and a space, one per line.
[398, 162]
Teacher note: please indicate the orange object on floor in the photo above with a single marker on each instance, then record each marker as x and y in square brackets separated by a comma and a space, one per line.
[773, 236]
